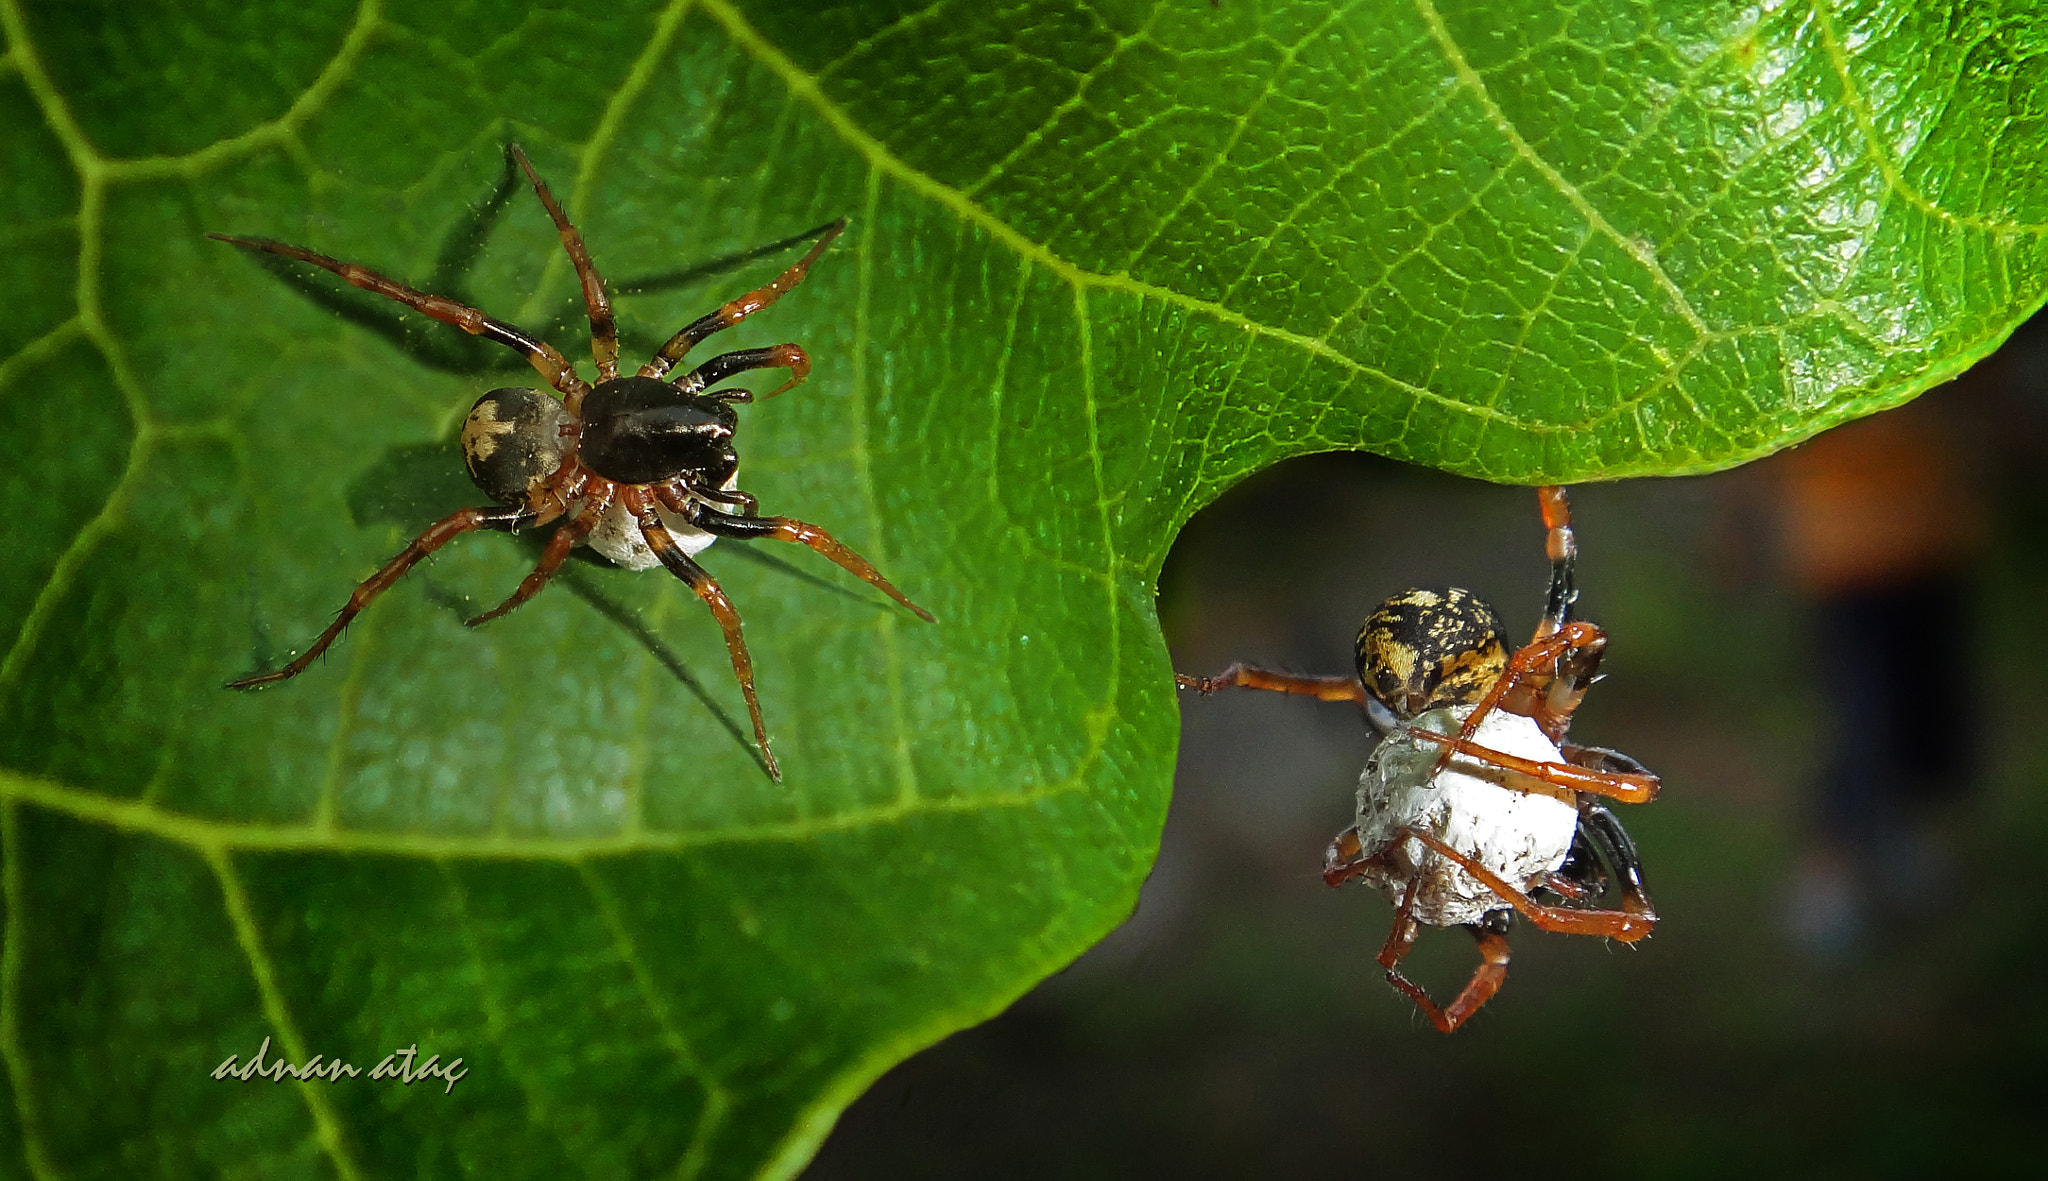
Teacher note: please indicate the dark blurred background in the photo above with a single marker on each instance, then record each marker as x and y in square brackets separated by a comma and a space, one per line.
[1847, 854]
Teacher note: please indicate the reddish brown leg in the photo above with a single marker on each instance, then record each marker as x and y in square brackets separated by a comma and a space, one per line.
[1571, 888]
[724, 365]
[739, 309]
[790, 529]
[1253, 677]
[1531, 672]
[1563, 551]
[1547, 679]
[1486, 979]
[707, 589]
[565, 538]
[1630, 787]
[437, 535]
[1564, 920]
[542, 355]
[1345, 858]
[604, 330]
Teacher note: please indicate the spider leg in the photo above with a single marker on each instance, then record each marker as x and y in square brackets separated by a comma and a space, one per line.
[551, 364]
[1566, 657]
[1250, 676]
[437, 535]
[1603, 830]
[707, 589]
[1548, 677]
[1563, 551]
[1630, 787]
[748, 504]
[604, 330]
[790, 529]
[739, 309]
[1346, 858]
[1492, 972]
[724, 365]
[564, 539]
[1582, 878]
[1563, 920]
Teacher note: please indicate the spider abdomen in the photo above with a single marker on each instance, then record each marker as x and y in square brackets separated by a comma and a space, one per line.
[637, 430]
[1521, 835]
[512, 442]
[1431, 647]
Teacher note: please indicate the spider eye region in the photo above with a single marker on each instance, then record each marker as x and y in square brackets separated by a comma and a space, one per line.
[512, 440]
[637, 430]
[1429, 648]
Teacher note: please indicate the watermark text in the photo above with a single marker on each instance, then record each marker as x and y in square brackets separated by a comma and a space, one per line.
[396, 1065]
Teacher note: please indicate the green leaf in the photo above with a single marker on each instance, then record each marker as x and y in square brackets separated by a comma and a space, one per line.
[1105, 261]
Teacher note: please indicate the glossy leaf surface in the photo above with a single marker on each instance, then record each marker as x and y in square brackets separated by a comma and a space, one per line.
[1104, 262]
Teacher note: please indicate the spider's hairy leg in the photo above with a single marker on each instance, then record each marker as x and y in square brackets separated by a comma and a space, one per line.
[1347, 859]
[1630, 787]
[724, 365]
[707, 589]
[1250, 676]
[437, 535]
[565, 538]
[604, 329]
[739, 309]
[542, 355]
[1563, 920]
[1491, 932]
[710, 520]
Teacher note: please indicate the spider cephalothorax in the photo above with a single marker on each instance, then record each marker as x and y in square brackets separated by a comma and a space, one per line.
[1473, 805]
[641, 468]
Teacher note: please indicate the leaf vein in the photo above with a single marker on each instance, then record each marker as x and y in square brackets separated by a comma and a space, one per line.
[806, 87]
[538, 1110]
[716, 1099]
[1859, 110]
[12, 964]
[602, 136]
[235, 900]
[863, 410]
[1642, 252]
[1238, 127]
[205, 832]
[1072, 102]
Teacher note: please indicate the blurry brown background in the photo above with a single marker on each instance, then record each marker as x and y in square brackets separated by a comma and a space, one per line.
[1824, 997]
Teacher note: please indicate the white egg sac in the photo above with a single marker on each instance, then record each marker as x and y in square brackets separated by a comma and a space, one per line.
[1520, 835]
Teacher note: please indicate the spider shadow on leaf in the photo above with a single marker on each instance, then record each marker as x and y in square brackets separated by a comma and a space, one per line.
[418, 481]
[432, 347]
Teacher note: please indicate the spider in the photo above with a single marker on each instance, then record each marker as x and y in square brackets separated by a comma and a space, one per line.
[1474, 805]
[639, 468]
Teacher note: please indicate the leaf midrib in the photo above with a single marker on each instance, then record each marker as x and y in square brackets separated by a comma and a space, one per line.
[199, 832]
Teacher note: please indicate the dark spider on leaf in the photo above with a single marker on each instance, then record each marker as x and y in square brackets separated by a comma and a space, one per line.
[1474, 804]
[639, 468]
